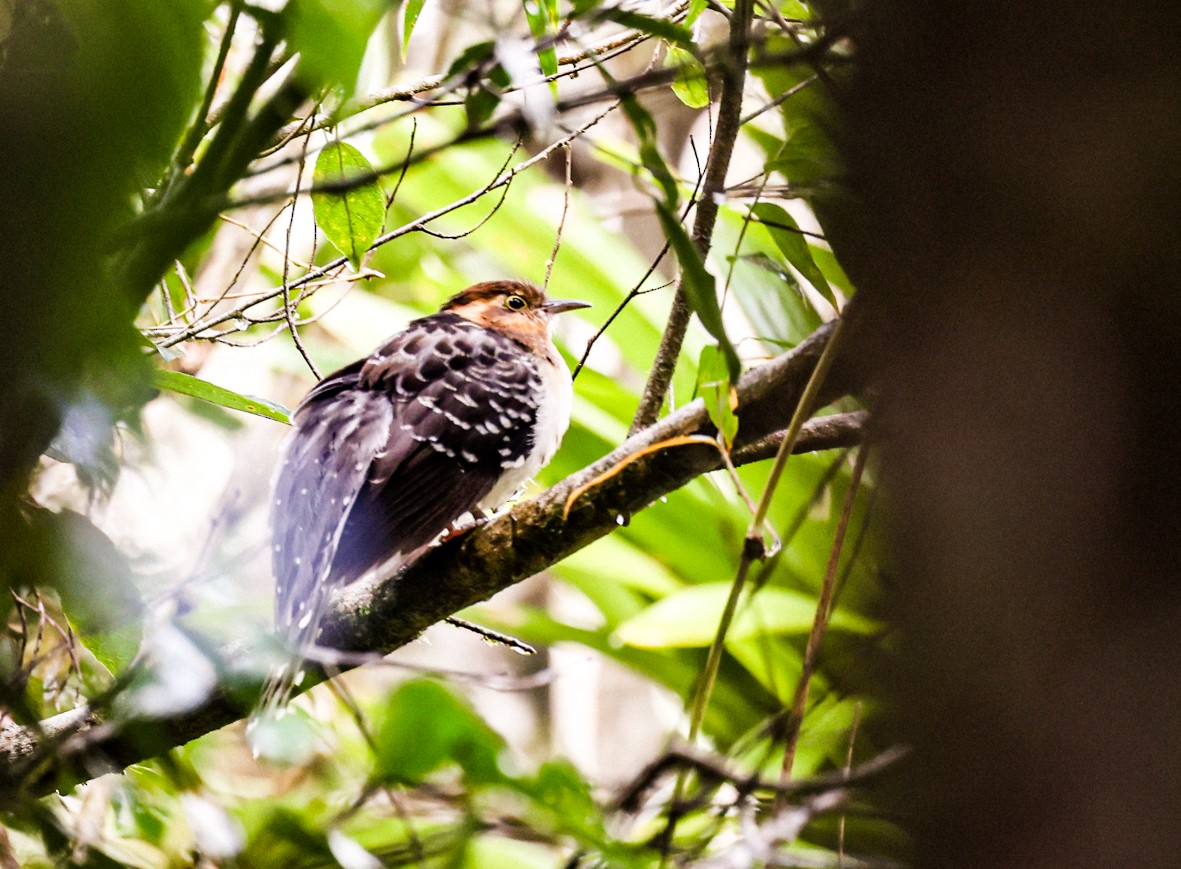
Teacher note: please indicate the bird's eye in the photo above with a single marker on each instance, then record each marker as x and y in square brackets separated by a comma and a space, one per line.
[515, 303]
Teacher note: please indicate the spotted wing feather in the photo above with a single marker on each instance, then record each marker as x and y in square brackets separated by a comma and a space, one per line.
[390, 451]
[466, 411]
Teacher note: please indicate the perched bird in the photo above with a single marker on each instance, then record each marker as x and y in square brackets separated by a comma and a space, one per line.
[448, 417]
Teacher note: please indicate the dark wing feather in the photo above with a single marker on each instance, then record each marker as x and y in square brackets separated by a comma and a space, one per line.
[339, 429]
[448, 447]
[390, 451]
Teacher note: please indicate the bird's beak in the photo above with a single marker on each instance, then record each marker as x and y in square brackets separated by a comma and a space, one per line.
[557, 306]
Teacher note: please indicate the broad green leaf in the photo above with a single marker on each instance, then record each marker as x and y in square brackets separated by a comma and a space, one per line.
[186, 384]
[793, 244]
[350, 218]
[691, 85]
[689, 618]
[425, 727]
[698, 286]
[331, 37]
[715, 388]
[410, 12]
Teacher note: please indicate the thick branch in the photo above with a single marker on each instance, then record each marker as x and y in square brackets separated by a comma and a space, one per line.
[384, 615]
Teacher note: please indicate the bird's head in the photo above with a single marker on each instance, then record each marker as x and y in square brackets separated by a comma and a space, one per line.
[515, 308]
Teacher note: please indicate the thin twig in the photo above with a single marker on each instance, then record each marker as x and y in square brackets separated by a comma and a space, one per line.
[820, 623]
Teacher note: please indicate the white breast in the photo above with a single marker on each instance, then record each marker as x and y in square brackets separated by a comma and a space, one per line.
[553, 418]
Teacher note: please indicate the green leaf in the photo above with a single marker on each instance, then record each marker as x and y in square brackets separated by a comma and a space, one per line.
[426, 727]
[410, 12]
[793, 245]
[186, 384]
[94, 581]
[689, 618]
[667, 30]
[350, 218]
[715, 387]
[331, 37]
[542, 15]
[691, 85]
[698, 285]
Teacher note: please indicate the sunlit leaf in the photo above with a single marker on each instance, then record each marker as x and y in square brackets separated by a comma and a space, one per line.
[352, 217]
[691, 85]
[716, 389]
[186, 384]
[410, 12]
[542, 16]
[689, 618]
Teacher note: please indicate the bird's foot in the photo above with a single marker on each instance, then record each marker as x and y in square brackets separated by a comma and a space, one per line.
[456, 529]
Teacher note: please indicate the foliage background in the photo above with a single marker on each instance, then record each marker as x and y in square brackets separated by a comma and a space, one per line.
[1004, 194]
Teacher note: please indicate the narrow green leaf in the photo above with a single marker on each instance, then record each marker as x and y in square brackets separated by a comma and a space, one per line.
[542, 17]
[696, 7]
[410, 12]
[691, 85]
[667, 30]
[645, 129]
[715, 388]
[350, 218]
[698, 285]
[793, 245]
[186, 384]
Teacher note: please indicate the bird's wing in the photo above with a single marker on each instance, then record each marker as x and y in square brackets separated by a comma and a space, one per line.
[466, 410]
[339, 429]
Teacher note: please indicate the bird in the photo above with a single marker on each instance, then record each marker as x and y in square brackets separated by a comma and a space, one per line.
[448, 417]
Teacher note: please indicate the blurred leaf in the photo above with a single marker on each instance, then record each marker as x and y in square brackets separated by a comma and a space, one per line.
[331, 37]
[691, 85]
[715, 388]
[186, 384]
[94, 581]
[698, 285]
[793, 244]
[425, 727]
[289, 736]
[351, 218]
